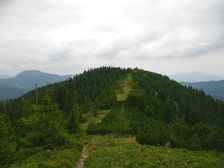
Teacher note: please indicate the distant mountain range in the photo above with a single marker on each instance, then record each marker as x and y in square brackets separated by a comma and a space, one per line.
[195, 77]
[210, 84]
[213, 88]
[5, 76]
[12, 87]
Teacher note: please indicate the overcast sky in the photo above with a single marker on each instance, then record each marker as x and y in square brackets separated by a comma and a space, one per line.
[68, 36]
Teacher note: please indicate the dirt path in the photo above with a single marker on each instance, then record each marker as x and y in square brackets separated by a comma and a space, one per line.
[84, 127]
[80, 163]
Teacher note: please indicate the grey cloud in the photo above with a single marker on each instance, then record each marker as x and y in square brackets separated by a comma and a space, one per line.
[60, 56]
[125, 45]
[47, 34]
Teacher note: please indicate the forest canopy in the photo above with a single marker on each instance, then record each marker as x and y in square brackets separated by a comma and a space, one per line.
[157, 110]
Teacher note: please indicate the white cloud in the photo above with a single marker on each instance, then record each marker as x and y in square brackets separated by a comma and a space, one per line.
[67, 36]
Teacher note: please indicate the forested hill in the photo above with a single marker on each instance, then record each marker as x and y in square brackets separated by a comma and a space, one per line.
[147, 105]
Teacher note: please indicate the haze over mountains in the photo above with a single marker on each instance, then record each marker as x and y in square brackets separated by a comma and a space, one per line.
[195, 76]
[212, 88]
[5, 76]
[25, 81]
[210, 84]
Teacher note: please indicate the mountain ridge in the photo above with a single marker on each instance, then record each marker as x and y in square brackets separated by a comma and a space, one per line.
[213, 88]
[61, 118]
[25, 81]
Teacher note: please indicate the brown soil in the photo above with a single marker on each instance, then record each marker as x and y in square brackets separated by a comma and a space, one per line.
[80, 163]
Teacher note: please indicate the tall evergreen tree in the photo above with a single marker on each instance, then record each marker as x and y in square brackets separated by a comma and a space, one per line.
[73, 119]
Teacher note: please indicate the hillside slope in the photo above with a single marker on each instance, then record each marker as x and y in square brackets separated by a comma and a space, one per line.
[161, 111]
[56, 120]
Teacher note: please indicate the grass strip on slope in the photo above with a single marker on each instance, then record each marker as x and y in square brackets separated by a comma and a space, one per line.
[124, 87]
[115, 121]
[94, 119]
[124, 152]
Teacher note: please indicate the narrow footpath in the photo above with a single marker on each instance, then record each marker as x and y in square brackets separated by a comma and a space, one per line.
[80, 163]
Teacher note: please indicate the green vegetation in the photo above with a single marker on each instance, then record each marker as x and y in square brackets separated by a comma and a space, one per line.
[123, 88]
[162, 111]
[117, 152]
[92, 120]
[114, 122]
[51, 159]
[51, 119]
[52, 122]
[159, 111]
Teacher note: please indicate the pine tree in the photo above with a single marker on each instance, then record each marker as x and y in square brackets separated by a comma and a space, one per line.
[73, 119]
[7, 147]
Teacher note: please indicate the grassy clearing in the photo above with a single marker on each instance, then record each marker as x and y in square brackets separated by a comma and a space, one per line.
[115, 122]
[94, 119]
[116, 152]
[124, 87]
